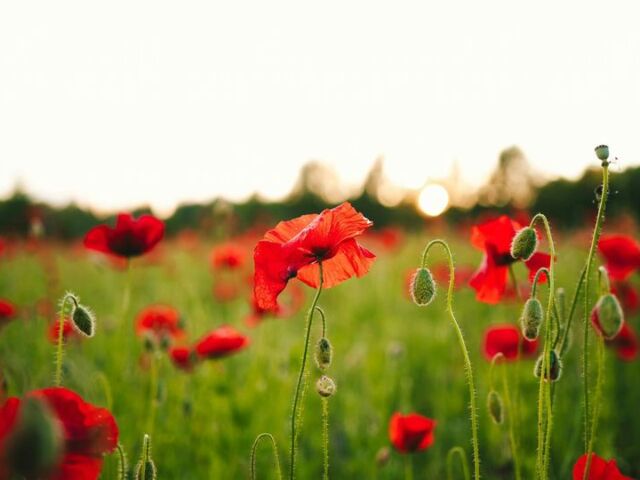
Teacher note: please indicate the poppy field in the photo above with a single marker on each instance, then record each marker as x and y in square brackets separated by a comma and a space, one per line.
[324, 347]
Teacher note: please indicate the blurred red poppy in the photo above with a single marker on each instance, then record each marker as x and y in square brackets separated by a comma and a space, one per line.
[625, 343]
[295, 247]
[230, 256]
[221, 342]
[130, 237]
[159, 323]
[411, 433]
[599, 469]
[504, 339]
[88, 431]
[627, 295]
[621, 254]
[7, 312]
[225, 290]
[494, 238]
[182, 358]
[67, 331]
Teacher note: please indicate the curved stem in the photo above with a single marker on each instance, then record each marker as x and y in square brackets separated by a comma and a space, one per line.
[122, 462]
[463, 461]
[465, 352]
[594, 242]
[276, 458]
[60, 342]
[536, 278]
[296, 397]
[596, 405]
[325, 437]
[324, 320]
[544, 394]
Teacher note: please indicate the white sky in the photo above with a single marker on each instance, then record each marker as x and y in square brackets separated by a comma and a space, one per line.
[119, 103]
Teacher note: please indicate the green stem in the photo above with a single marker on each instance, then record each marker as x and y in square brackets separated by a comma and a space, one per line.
[276, 458]
[544, 394]
[572, 309]
[596, 405]
[512, 438]
[153, 393]
[325, 437]
[465, 352]
[296, 397]
[463, 461]
[592, 250]
[514, 280]
[60, 342]
[408, 467]
[122, 463]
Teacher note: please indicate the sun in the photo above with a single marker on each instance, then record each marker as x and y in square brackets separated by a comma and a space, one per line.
[433, 199]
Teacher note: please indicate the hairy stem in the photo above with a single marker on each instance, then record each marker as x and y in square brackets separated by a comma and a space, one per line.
[596, 405]
[325, 437]
[60, 342]
[276, 458]
[463, 462]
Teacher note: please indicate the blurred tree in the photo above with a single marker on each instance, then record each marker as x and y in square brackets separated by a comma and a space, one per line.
[512, 181]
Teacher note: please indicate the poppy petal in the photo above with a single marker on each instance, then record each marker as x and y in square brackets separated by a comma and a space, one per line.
[622, 255]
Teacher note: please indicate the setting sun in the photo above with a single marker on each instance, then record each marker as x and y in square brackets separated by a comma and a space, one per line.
[433, 200]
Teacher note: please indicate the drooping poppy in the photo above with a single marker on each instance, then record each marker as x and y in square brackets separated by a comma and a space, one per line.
[230, 256]
[7, 312]
[411, 433]
[294, 248]
[625, 343]
[221, 342]
[599, 469]
[621, 254]
[160, 324]
[494, 239]
[88, 432]
[505, 339]
[129, 238]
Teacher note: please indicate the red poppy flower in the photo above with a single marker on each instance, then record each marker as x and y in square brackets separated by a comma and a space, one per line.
[160, 323]
[221, 342]
[89, 432]
[294, 248]
[229, 256]
[411, 433]
[599, 469]
[504, 339]
[625, 343]
[621, 254]
[7, 312]
[129, 238]
[627, 295]
[494, 238]
[225, 290]
[67, 331]
[182, 358]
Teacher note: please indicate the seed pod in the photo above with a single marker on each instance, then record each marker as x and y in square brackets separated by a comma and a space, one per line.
[35, 445]
[494, 405]
[607, 316]
[83, 321]
[423, 287]
[531, 318]
[555, 369]
[524, 244]
[323, 353]
[325, 386]
[602, 152]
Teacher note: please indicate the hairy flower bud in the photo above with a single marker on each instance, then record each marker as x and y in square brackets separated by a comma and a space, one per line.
[494, 405]
[83, 321]
[35, 445]
[423, 287]
[602, 151]
[524, 244]
[325, 386]
[607, 316]
[323, 353]
[146, 468]
[555, 369]
[531, 318]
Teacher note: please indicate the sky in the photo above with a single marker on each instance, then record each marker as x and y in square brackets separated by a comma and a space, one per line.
[121, 103]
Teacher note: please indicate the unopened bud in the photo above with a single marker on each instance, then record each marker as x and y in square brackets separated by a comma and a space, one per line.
[555, 367]
[423, 287]
[35, 445]
[531, 318]
[323, 353]
[602, 151]
[607, 316]
[524, 244]
[325, 386]
[146, 468]
[494, 405]
[83, 321]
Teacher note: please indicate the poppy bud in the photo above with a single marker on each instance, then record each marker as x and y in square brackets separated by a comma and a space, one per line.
[524, 244]
[323, 353]
[423, 287]
[531, 318]
[325, 386]
[602, 151]
[607, 316]
[36, 442]
[555, 369]
[494, 405]
[83, 321]
[146, 468]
